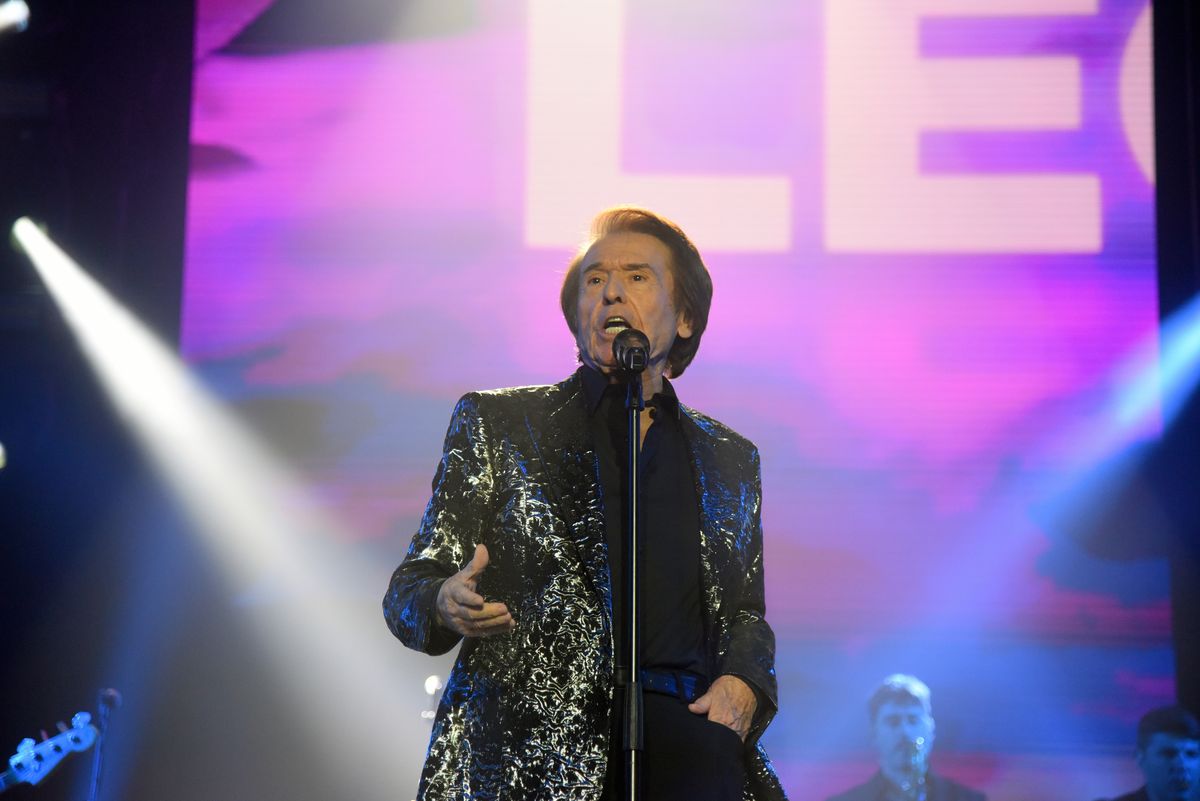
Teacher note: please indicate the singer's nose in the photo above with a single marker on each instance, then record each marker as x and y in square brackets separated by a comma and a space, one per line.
[614, 290]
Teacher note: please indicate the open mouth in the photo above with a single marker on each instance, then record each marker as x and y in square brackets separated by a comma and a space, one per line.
[615, 325]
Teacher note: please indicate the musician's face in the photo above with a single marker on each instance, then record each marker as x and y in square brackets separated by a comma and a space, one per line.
[626, 282]
[903, 735]
[1171, 765]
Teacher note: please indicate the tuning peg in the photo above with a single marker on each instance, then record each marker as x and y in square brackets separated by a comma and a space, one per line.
[45, 736]
[62, 727]
[25, 749]
[81, 719]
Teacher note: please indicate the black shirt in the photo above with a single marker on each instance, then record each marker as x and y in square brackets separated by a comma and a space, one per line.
[669, 526]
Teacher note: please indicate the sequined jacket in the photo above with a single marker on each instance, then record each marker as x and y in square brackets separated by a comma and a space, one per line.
[524, 715]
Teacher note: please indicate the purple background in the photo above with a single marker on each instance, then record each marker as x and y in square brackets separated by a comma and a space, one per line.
[356, 260]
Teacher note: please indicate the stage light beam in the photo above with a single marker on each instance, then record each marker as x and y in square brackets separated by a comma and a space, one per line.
[308, 596]
[1163, 386]
[14, 15]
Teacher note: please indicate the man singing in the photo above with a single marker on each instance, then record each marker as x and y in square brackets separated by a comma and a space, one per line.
[520, 555]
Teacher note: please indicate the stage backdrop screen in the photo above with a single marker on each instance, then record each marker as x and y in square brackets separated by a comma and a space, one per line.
[930, 227]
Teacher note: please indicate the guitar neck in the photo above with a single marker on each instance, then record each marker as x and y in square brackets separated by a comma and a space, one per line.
[35, 761]
[8, 779]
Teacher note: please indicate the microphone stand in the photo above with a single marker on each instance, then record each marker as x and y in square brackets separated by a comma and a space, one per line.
[107, 700]
[631, 723]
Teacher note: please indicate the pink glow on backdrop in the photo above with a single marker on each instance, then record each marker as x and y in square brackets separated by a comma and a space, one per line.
[358, 246]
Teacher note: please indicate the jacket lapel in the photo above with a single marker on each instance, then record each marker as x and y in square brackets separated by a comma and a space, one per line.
[571, 469]
[714, 523]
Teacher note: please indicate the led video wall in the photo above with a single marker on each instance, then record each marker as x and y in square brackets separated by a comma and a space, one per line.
[930, 226]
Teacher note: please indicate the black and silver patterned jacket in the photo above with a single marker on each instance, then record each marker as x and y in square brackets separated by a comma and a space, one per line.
[524, 715]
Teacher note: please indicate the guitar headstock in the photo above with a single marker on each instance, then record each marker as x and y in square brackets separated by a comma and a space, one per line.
[34, 761]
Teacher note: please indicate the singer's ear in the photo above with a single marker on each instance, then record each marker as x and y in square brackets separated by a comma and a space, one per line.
[683, 325]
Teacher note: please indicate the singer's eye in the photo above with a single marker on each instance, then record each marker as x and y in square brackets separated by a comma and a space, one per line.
[593, 280]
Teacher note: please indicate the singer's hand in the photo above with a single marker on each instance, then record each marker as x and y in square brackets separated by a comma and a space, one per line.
[730, 702]
[462, 610]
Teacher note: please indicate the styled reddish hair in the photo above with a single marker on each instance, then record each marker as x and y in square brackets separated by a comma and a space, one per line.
[692, 285]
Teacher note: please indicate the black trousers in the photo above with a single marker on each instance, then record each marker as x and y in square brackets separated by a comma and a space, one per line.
[687, 757]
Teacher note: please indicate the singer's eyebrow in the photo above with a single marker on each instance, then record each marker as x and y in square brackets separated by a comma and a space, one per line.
[625, 267]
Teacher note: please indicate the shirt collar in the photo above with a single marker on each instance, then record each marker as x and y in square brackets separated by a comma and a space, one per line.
[595, 384]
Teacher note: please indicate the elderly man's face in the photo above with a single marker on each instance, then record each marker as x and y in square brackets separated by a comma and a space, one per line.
[1171, 765]
[903, 735]
[626, 282]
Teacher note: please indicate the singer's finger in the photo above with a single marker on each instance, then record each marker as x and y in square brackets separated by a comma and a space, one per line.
[478, 562]
[499, 618]
[489, 611]
[462, 595]
[497, 625]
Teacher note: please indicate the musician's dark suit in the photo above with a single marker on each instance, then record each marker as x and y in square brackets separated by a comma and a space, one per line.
[937, 788]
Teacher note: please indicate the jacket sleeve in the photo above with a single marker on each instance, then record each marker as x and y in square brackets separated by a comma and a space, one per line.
[454, 522]
[750, 654]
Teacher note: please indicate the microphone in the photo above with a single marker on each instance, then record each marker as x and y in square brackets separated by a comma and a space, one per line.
[109, 698]
[631, 349]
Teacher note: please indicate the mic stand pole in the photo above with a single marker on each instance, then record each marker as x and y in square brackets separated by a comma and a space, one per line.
[632, 727]
[107, 700]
